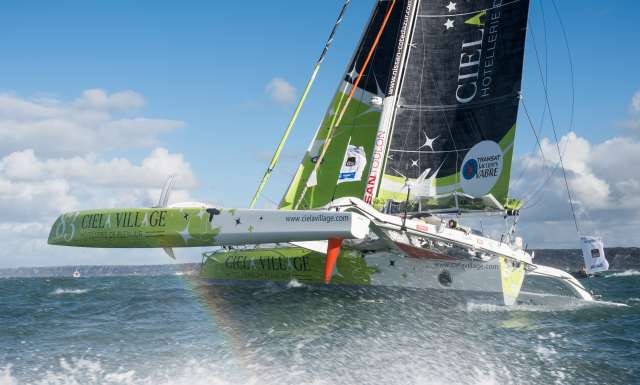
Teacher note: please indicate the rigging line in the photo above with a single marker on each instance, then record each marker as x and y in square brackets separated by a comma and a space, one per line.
[285, 136]
[544, 160]
[335, 124]
[564, 171]
[572, 115]
[264, 196]
[567, 46]
[546, 60]
[532, 37]
[526, 112]
[547, 106]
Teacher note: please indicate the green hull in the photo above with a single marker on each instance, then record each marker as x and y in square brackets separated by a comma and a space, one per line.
[284, 265]
[135, 228]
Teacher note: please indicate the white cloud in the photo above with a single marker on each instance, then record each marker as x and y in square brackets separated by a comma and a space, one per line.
[604, 183]
[633, 122]
[280, 91]
[635, 103]
[53, 159]
[34, 191]
[94, 122]
[116, 172]
[99, 99]
[31, 188]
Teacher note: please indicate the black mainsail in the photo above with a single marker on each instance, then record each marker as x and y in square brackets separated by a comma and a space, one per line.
[454, 123]
[431, 121]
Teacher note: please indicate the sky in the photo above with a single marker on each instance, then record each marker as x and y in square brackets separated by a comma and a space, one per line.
[101, 101]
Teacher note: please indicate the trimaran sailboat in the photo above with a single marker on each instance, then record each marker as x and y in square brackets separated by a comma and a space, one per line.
[422, 125]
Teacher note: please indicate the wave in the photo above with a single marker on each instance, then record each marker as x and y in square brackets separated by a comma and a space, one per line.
[61, 291]
[472, 307]
[294, 284]
[92, 372]
[571, 305]
[626, 273]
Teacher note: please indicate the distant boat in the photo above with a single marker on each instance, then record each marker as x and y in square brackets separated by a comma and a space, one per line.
[595, 260]
[76, 274]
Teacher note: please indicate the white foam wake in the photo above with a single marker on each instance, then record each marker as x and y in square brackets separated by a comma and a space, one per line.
[61, 291]
[90, 372]
[626, 273]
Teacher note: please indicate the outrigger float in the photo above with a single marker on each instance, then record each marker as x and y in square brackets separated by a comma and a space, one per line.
[419, 135]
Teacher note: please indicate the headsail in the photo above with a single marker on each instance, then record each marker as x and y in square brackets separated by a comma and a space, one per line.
[454, 124]
[595, 260]
[353, 123]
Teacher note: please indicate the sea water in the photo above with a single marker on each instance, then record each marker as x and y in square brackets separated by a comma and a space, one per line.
[181, 330]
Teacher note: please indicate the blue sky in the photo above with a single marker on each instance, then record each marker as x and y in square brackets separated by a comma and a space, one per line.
[205, 66]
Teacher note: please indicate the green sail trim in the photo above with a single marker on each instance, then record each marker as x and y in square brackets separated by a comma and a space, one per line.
[450, 184]
[358, 128]
[373, 71]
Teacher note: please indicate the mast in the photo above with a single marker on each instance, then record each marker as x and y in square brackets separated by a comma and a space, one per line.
[389, 104]
[296, 112]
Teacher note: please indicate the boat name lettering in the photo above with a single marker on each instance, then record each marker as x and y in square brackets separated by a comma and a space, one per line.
[477, 60]
[376, 166]
[267, 263]
[130, 219]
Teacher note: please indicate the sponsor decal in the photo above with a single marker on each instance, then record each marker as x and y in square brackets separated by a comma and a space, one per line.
[467, 266]
[267, 263]
[470, 169]
[127, 219]
[481, 168]
[353, 165]
[376, 166]
[478, 55]
[422, 228]
[315, 218]
[402, 43]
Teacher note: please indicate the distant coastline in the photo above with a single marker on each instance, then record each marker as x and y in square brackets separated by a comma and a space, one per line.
[620, 258]
[101, 270]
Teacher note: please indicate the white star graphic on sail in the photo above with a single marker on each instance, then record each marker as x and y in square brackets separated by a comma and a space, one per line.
[185, 233]
[451, 7]
[428, 141]
[375, 103]
[449, 23]
[353, 74]
[414, 163]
